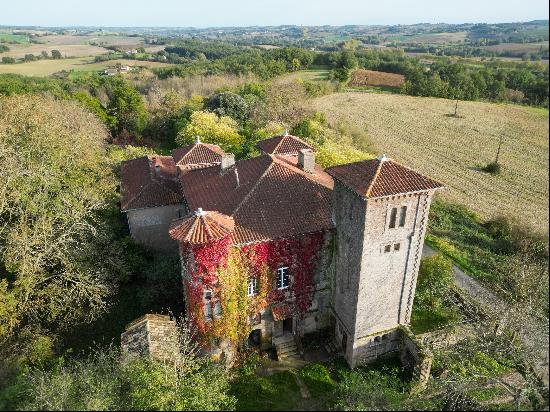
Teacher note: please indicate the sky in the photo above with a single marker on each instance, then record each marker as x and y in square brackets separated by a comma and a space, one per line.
[216, 13]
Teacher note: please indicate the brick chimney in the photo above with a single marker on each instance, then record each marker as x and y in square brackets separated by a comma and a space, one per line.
[306, 160]
[228, 161]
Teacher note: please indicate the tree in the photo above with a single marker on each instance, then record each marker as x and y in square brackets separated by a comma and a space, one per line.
[58, 261]
[229, 104]
[211, 128]
[56, 54]
[8, 60]
[101, 381]
[126, 104]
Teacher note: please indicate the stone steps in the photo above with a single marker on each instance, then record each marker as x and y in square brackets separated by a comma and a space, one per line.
[286, 347]
[331, 346]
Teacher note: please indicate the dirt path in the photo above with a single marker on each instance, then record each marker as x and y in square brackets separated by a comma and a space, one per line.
[533, 333]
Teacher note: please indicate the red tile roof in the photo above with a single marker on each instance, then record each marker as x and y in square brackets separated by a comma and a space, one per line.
[268, 197]
[144, 185]
[202, 154]
[282, 145]
[381, 177]
[202, 227]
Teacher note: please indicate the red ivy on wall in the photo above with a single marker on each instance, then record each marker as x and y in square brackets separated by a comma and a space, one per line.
[300, 254]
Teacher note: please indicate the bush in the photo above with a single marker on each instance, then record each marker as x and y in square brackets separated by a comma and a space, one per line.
[229, 104]
[493, 168]
[435, 277]
[8, 60]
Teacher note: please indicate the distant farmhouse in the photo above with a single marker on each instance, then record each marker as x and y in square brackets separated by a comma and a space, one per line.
[338, 248]
[112, 71]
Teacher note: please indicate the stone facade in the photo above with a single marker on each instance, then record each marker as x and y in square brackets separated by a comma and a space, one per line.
[376, 268]
[151, 335]
[149, 227]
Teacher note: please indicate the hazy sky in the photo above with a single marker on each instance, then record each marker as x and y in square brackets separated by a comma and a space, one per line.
[207, 13]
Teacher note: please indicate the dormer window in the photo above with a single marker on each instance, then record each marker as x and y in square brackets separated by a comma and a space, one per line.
[283, 278]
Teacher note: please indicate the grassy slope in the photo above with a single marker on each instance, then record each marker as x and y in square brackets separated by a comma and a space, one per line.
[420, 133]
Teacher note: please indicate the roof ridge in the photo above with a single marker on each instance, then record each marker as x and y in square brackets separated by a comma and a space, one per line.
[376, 174]
[278, 144]
[254, 187]
[206, 225]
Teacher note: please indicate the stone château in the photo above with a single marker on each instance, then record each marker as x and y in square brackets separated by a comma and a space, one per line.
[338, 248]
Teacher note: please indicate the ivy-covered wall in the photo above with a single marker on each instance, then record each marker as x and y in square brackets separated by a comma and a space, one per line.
[224, 270]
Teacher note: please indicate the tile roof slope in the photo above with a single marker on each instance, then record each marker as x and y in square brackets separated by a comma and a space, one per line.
[282, 145]
[198, 153]
[273, 198]
[142, 186]
[202, 227]
[382, 177]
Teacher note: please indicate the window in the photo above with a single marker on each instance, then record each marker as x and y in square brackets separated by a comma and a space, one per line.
[217, 309]
[207, 310]
[387, 249]
[207, 295]
[397, 246]
[283, 278]
[393, 217]
[252, 286]
[403, 216]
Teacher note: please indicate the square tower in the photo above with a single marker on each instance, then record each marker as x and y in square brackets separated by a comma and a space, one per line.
[380, 209]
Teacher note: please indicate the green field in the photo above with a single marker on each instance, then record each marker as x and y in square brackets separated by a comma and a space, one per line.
[14, 38]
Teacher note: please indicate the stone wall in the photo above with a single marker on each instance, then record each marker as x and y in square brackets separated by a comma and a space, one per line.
[413, 354]
[375, 268]
[151, 335]
[149, 227]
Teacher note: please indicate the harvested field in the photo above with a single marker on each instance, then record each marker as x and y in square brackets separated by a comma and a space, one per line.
[363, 78]
[48, 67]
[420, 132]
[517, 47]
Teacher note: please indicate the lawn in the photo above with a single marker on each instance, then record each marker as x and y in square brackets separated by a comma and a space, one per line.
[419, 132]
[326, 383]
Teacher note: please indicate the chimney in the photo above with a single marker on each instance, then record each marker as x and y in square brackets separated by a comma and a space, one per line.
[306, 160]
[228, 161]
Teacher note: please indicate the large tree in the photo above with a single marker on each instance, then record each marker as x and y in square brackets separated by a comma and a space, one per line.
[56, 255]
[211, 128]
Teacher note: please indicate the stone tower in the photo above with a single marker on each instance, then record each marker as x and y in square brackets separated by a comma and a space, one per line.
[380, 209]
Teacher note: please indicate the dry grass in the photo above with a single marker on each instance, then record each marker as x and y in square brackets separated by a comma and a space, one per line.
[420, 133]
[361, 78]
[517, 47]
[48, 67]
[67, 50]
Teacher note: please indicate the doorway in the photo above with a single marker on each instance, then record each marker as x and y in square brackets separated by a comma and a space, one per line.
[287, 325]
[255, 338]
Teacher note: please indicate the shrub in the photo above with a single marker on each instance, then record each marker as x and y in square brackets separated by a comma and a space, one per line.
[8, 60]
[435, 277]
[212, 129]
[493, 168]
[229, 104]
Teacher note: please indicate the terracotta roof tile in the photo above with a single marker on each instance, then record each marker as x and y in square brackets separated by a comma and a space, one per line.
[198, 154]
[282, 145]
[273, 198]
[149, 181]
[381, 177]
[202, 227]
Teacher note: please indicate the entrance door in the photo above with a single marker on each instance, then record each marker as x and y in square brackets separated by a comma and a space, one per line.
[287, 325]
